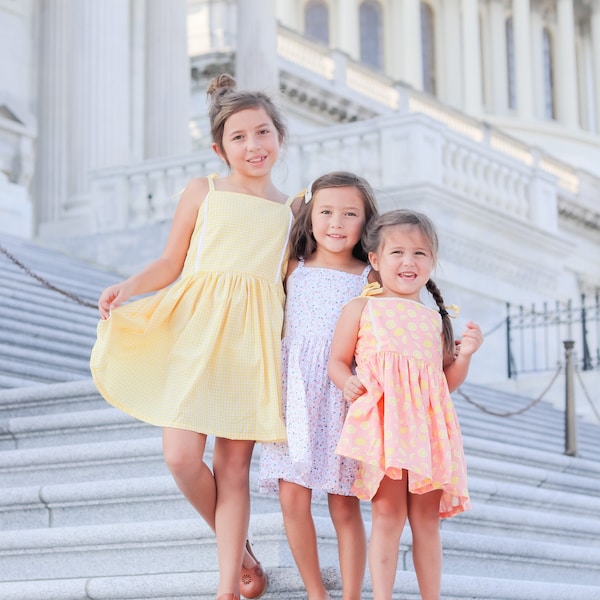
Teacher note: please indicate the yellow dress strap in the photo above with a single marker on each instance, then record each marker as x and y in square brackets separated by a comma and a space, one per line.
[211, 181]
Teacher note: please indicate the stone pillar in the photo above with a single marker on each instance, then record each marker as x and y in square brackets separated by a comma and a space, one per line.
[256, 53]
[287, 14]
[471, 57]
[348, 27]
[411, 45]
[595, 25]
[167, 111]
[99, 116]
[450, 71]
[567, 97]
[52, 146]
[523, 65]
[499, 88]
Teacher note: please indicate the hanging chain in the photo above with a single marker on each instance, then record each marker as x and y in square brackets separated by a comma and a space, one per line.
[516, 412]
[43, 281]
[586, 394]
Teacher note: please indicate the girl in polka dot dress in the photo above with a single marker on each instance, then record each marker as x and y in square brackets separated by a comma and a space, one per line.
[327, 268]
[403, 427]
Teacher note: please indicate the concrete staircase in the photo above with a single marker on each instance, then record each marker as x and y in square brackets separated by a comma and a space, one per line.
[89, 511]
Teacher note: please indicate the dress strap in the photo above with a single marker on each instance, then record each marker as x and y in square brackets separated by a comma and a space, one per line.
[211, 181]
[366, 271]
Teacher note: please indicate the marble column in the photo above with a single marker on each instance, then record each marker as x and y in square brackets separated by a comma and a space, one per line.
[523, 64]
[256, 65]
[566, 88]
[471, 57]
[348, 27]
[497, 41]
[99, 91]
[52, 159]
[288, 14]
[167, 97]
[450, 70]
[411, 45]
[595, 26]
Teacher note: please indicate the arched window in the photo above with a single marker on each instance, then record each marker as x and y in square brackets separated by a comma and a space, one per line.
[548, 57]
[370, 34]
[316, 21]
[428, 48]
[510, 64]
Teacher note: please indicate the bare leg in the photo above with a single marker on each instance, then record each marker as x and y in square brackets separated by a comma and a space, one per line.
[231, 465]
[184, 451]
[352, 543]
[389, 511]
[302, 537]
[424, 519]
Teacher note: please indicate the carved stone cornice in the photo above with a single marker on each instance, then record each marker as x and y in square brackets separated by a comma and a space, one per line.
[583, 218]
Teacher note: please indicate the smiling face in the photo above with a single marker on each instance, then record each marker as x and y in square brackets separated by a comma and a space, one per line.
[251, 142]
[404, 261]
[338, 219]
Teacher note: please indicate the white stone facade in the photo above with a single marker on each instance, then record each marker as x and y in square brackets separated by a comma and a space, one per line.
[483, 113]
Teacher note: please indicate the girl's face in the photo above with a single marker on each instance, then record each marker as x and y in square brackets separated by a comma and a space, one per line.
[250, 143]
[338, 219]
[404, 261]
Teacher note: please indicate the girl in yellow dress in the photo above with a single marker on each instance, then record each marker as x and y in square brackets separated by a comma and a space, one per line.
[202, 356]
[402, 425]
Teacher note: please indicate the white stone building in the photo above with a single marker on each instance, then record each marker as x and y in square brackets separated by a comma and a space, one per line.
[483, 113]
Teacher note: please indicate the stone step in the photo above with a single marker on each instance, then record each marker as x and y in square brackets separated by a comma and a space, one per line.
[157, 498]
[50, 399]
[283, 583]
[11, 381]
[79, 327]
[38, 373]
[58, 363]
[45, 339]
[50, 306]
[32, 432]
[188, 545]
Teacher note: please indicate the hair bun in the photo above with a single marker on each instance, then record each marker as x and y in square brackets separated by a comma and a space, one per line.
[220, 83]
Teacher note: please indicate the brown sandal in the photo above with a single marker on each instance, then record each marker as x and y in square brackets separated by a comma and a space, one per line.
[254, 581]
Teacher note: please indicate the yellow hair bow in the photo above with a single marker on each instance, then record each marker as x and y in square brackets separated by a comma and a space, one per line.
[371, 289]
[452, 310]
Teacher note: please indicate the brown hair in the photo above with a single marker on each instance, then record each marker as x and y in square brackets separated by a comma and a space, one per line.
[225, 101]
[302, 240]
[373, 238]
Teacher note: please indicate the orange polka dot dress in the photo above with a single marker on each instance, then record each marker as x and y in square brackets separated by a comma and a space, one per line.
[406, 418]
[204, 354]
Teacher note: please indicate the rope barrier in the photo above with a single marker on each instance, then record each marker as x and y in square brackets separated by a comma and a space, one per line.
[43, 281]
[512, 413]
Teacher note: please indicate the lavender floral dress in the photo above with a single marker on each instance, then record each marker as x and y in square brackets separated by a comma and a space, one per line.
[313, 408]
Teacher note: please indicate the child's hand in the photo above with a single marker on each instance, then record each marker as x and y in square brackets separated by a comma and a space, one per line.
[112, 297]
[353, 389]
[471, 340]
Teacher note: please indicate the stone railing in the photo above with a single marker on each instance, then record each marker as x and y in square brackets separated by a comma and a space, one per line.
[392, 152]
[416, 141]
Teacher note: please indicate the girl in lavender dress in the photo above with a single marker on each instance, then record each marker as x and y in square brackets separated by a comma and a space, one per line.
[327, 268]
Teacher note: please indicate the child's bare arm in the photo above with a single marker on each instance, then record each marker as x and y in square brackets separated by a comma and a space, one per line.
[167, 268]
[343, 345]
[471, 340]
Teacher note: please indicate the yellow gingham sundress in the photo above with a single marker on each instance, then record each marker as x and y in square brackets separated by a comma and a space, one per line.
[204, 353]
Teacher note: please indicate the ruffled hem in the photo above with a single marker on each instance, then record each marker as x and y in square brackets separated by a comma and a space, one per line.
[409, 424]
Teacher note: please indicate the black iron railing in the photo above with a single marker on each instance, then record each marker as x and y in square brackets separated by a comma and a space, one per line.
[535, 335]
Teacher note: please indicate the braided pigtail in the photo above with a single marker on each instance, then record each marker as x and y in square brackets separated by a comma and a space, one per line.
[447, 329]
